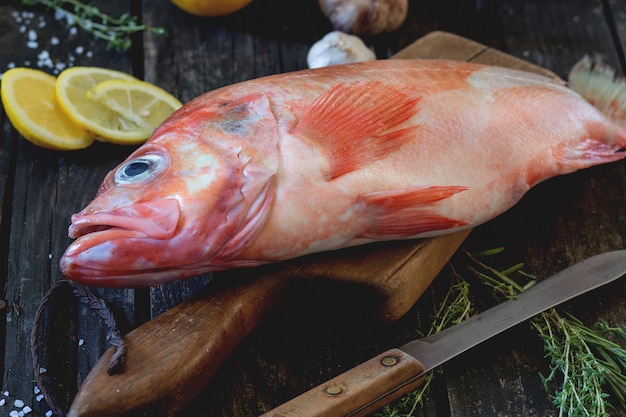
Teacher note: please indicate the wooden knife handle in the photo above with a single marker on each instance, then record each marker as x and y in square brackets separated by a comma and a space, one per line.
[359, 391]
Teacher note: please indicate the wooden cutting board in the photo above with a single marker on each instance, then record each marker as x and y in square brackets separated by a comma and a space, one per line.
[161, 377]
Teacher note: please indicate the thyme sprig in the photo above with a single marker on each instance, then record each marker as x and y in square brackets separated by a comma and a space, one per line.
[116, 31]
[584, 363]
[453, 309]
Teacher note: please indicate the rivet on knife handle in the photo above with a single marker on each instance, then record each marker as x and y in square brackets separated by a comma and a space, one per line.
[376, 378]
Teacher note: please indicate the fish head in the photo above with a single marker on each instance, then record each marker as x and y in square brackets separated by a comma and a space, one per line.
[185, 203]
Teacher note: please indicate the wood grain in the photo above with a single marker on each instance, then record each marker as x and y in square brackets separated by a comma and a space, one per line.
[556, 224]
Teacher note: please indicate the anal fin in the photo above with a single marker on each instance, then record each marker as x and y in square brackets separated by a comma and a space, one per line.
[355, 124]
[408, 212]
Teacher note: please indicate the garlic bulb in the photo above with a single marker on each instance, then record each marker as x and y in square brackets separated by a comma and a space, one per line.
[365, 17]
[338, 48]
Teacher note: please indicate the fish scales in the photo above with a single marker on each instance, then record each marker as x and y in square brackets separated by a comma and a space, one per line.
[286, 165]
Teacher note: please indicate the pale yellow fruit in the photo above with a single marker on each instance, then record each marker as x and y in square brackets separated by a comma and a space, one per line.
[29, 100]
[139, 106]
[71, 91]
[209, 8]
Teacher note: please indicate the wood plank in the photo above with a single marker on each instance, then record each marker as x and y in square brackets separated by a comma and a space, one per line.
[558, 223]
[617, 11]
[49, 187]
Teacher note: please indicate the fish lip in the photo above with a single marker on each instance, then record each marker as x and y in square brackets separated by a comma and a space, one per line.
[154, 219]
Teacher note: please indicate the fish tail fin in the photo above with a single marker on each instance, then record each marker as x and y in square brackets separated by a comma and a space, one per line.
[601, 86]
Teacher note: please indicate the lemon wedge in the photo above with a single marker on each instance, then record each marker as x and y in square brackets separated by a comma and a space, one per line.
[139, 107]
[71, 92]
[29, 99]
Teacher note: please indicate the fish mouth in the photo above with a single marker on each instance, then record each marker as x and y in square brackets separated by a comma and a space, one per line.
[154, 219]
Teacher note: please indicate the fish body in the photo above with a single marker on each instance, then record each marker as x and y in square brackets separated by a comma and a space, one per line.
[286, 165]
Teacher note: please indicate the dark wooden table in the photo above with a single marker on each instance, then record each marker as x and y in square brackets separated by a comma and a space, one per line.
[558, 223]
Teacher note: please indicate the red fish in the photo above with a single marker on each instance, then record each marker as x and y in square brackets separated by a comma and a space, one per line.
[291, 164]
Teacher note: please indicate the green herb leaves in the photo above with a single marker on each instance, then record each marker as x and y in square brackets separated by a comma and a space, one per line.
[587, 366]
[116, 31]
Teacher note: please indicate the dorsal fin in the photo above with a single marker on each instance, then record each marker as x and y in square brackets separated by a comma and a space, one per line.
[358, 123]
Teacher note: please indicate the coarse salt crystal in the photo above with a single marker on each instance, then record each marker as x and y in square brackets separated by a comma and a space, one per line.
[79, 50]
[42, 370]
[27, 410]
[36, 390]
[18, 403]
[49, 413]
[5, 393]
[32, 35]
[32, 44]
[14, 413]
[39, 397]
[54, 40]
[73, 30]
[81, 342]
[23, 29]
[2, 402]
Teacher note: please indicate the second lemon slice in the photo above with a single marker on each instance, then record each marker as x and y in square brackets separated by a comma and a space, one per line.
[71, 93]
[135, 109]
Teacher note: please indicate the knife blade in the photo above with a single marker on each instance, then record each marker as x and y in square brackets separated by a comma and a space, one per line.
[390, 375]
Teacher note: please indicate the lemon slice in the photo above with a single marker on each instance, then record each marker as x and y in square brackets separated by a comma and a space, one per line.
[29, 99]
[71, 91]
[139, 108]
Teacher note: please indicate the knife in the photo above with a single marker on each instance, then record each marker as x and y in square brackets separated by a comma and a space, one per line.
[388, 376]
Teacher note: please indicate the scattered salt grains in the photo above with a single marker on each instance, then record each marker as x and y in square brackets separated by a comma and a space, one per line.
[29, 23]
[49, 413]
[18, 403]
[2, 402]
[81, 342]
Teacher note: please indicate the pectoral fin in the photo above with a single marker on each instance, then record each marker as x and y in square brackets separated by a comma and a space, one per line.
[408, 212]
[355, 124]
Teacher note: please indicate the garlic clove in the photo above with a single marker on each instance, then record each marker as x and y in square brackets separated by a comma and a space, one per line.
[365, 17]
[338, 48]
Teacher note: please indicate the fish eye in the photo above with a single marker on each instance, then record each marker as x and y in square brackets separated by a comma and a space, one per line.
[139, 169]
